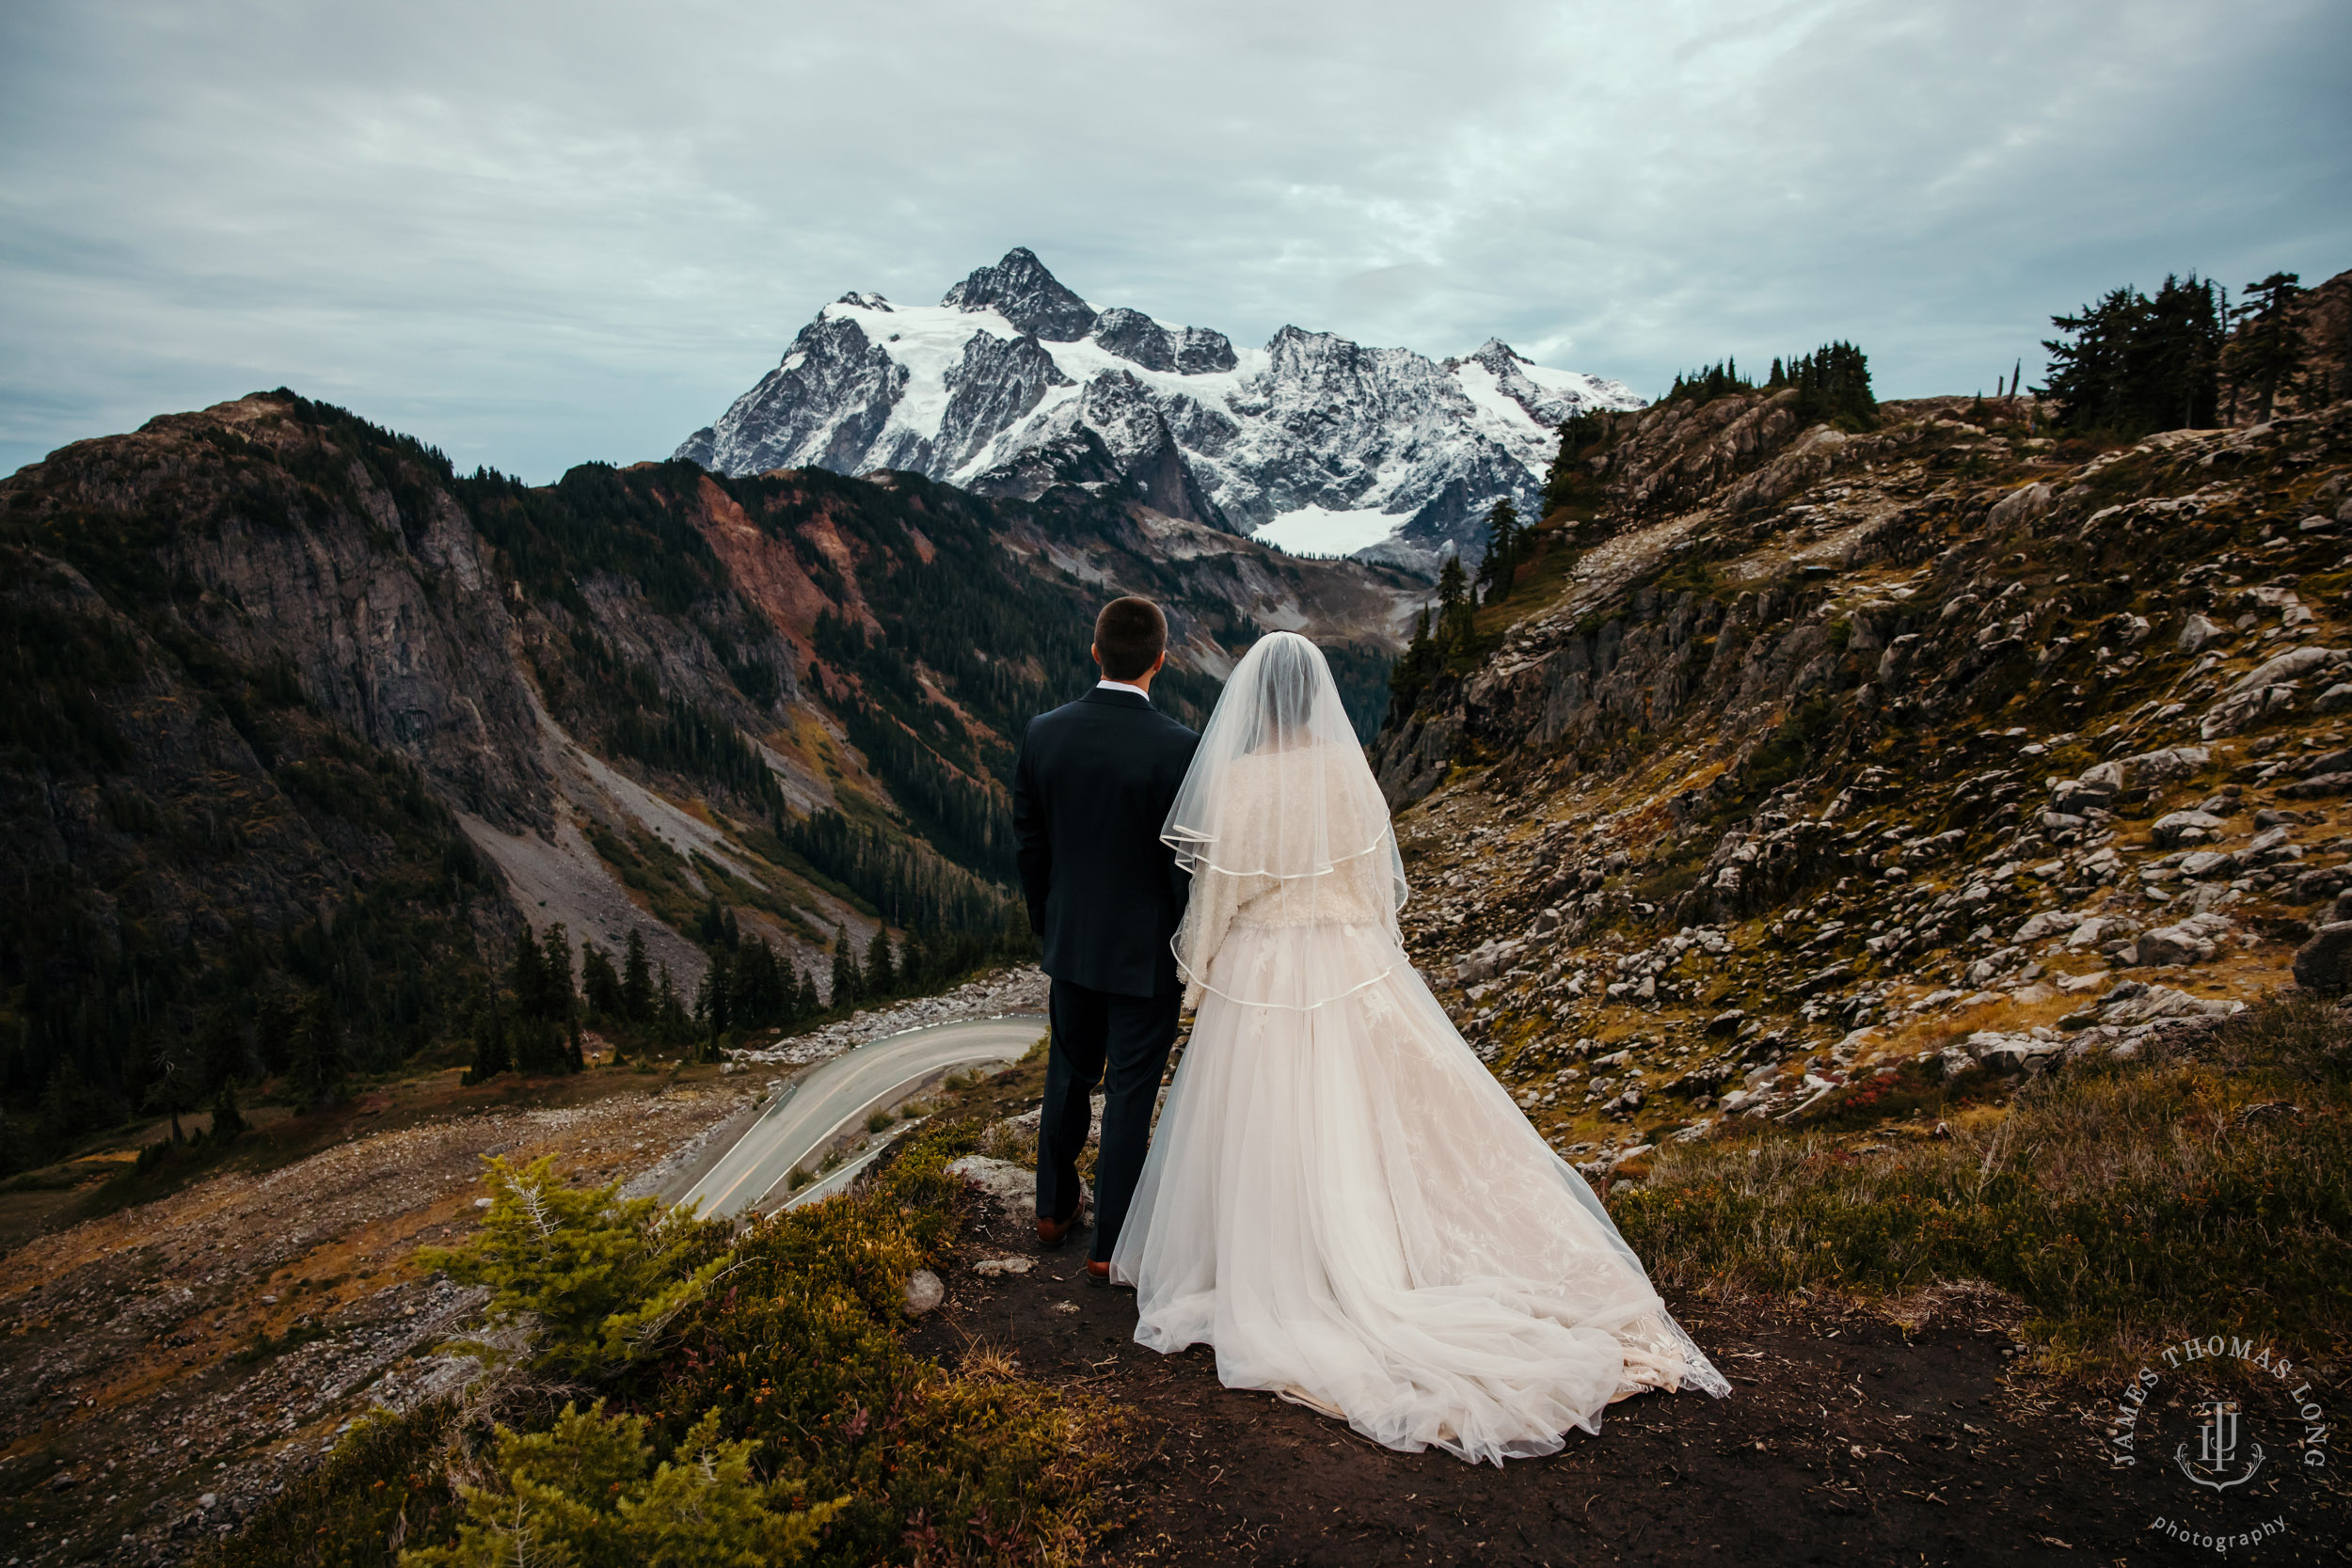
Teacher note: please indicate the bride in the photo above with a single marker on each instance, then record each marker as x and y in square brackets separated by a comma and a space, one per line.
[1339, 1197]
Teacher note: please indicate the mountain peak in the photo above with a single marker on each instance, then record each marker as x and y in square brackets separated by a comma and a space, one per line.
[1020, 290]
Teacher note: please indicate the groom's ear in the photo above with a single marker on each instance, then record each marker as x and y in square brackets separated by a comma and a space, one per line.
[1095, 653]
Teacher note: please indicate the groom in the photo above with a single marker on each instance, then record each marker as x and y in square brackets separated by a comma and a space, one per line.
[1095, 785]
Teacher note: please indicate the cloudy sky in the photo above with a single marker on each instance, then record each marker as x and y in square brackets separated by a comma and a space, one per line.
[535, 234]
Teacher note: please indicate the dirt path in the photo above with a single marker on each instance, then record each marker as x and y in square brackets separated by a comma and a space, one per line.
[1847, 1439]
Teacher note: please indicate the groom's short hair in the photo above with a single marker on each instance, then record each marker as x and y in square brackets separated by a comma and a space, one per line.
[1129, 637]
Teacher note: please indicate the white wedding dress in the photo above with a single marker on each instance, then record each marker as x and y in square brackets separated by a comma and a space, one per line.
[1339, 1196]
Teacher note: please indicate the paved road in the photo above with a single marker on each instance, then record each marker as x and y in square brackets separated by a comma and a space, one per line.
[832, 1095]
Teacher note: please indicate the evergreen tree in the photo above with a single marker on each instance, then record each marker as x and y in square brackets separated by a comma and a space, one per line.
[274, 1025]
[758, 998]
[71, 1106]
[600, 985]
[2130, 365]
[491, 1055]
[559, 1000]
[1833, 384]
[844, 976]
[714, 999]
[222, 1049]
[1505, 549]
[177, 1081]
[669, 1012]
[319, 1063]
[1458, 606]
[229, 1122]
[2268, 351]
[811, 1003]
[1415, 668]
[882, 972]
[637, 994]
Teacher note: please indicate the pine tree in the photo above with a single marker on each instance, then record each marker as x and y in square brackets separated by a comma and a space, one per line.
[222, 1049]
[1504, 545]
[228, 1122]
[2130, 364]
[274, 1025]
[176, 1083]
[491, 1055]
[882, 972]
[811, 1003]
[844, 976]
[600, 985]
[2269, 343]
[1456, 608]
[559, 1000]
[637, 997]
[319, 1059]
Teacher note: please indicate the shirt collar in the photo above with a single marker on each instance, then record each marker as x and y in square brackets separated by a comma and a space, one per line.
[1122, 685]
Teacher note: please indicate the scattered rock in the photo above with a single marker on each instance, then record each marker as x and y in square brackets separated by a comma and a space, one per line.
[2177, 828]
[996, 1267]
[2193, 941]
[924, 1292]
[1001, 1178]
[2323, 964]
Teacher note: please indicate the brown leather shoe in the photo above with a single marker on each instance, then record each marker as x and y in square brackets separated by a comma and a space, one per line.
[1098, 1271]
[1052, 1233]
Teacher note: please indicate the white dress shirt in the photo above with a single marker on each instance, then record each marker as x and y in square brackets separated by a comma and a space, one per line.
[1122, 685]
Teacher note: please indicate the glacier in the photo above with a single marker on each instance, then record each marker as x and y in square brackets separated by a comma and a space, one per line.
[1013, 384]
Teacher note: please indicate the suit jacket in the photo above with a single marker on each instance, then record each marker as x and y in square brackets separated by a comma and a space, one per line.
[1091, 792]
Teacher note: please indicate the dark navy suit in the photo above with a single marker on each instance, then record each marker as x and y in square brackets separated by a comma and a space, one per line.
[1094, 787]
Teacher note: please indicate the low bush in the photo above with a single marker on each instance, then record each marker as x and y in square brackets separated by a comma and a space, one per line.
[2123, 1202]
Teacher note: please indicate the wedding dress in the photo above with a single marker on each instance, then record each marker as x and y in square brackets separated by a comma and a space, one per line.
[1339, 1197]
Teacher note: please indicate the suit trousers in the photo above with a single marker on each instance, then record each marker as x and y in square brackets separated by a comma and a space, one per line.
[1098, 1034]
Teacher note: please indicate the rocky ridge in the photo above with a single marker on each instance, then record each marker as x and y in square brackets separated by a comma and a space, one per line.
[1928, 753]
[1012, 384]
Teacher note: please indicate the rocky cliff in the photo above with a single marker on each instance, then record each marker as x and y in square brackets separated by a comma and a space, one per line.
[1012, 384]
[1835, 752]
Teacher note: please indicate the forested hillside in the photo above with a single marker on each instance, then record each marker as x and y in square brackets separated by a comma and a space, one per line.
[309, 741]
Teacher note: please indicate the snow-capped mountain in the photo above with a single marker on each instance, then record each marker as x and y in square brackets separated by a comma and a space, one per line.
[1012, 384]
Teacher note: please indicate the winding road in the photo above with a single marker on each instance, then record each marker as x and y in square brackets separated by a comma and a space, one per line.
[836, 1094]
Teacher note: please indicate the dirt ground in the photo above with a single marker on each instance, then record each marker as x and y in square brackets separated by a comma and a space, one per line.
[164, 1365]
[1848, 1439]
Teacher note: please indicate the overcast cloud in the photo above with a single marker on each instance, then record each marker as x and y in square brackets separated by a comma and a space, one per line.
[536, 234]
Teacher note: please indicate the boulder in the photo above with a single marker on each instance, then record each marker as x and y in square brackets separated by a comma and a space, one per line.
[2020, 506]
[2046, 923]
[924, 1292]
[2177, 828]
[1001, 1178]
[1484, 961]
[2193, 941]
[2334, 699]
[2161, 766]
[2209, 863]
[2324, 784]
[1999, 1052]
[2323, 964]
[2322, 882]
[2133, 1004]
[2197, 632]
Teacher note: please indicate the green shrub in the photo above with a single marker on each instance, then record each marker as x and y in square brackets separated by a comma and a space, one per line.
[579, 1494]
[800, 1349]
[602, 1277]
[386, 1481]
